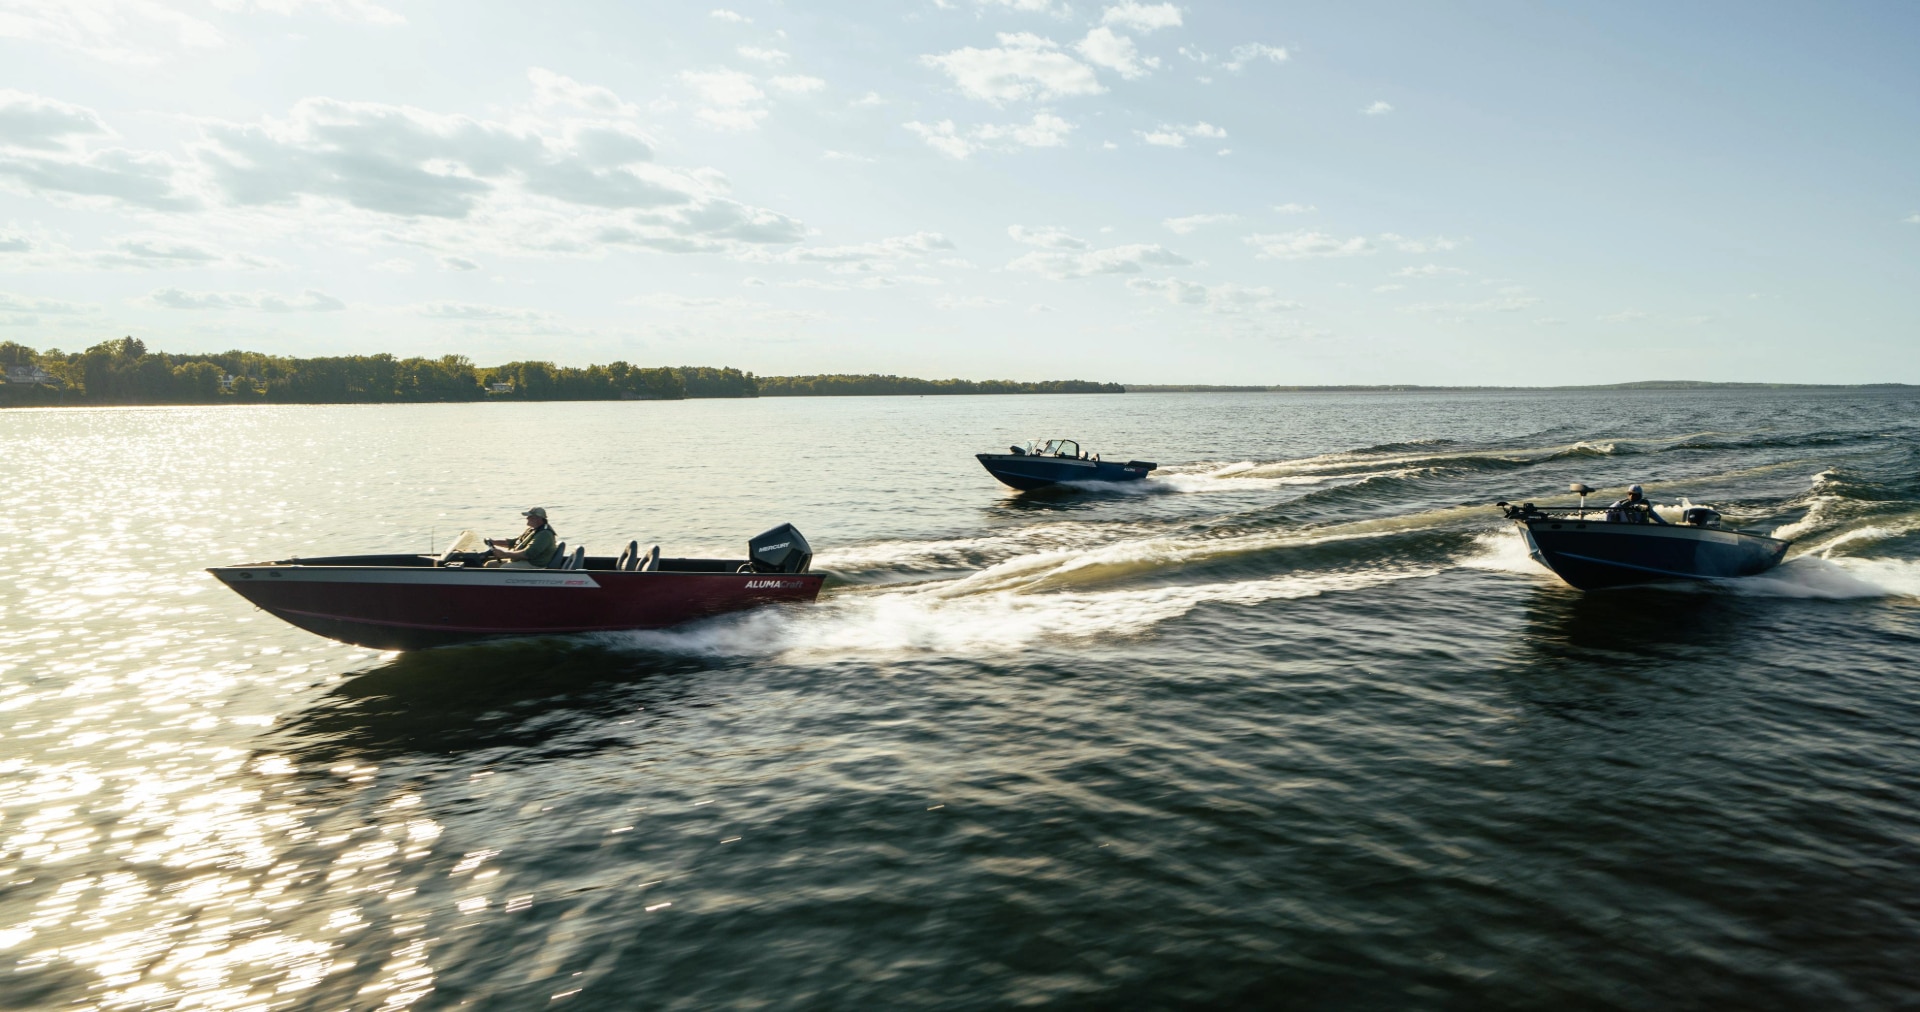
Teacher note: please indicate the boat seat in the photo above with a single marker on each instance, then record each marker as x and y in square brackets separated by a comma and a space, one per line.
[579, 559]
[629, 559]
[651, 562]
[559, 560]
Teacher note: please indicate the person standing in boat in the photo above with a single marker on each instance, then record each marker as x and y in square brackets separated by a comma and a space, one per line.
[533, 549]
[1634, 509]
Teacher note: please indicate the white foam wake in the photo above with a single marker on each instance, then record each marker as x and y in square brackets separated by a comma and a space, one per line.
[917, 622]
[1505, 552]
[1832, 579]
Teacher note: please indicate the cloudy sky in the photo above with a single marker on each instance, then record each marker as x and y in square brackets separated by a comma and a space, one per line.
[1201, 192]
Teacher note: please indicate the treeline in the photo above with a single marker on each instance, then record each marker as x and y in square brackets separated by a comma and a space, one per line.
[127, 372]
[841, 385]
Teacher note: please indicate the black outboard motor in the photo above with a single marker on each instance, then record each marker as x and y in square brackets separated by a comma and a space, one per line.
[1701, 516]
[781, 550]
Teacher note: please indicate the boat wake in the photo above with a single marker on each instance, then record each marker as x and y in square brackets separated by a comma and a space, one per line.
[908, 622]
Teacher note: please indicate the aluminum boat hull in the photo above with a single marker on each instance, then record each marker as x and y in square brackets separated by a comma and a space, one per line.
[1594, 554]
[413, 606]
[1027, 472]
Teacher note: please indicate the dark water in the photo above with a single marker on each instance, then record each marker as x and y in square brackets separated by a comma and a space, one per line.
[1294, 724]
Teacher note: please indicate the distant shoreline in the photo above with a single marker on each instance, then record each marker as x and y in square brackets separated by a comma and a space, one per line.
[1198, 388]
[125, 373]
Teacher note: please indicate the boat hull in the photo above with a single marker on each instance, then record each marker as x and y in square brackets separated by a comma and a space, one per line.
[1030, 471]
[409, 608]
[1594, 554]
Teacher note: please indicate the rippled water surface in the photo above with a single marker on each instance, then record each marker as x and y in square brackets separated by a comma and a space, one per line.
[1293, 723]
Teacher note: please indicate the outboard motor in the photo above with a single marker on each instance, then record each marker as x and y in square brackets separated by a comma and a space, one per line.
[781, 550]
[1701, 516]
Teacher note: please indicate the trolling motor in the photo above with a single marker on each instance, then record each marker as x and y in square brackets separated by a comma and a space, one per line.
[1582, 491]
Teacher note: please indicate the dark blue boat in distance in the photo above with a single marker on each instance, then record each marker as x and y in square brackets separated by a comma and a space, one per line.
[1593, 549]
[1049, 462]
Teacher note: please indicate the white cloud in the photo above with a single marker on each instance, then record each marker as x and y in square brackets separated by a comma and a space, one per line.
[846, 156]
[138, 251]
[1025, 66]
[309, 301]
[1176, 136]
[1293, 208]
[948, 303]
[138, 33]
[396, 265]
[44, 124]
[1504, 304]
[1623, 316]
[1142, 17]
[1428, 271]
[1182, 226]
[867, 101]
[454, 263]
[1103, 48]
[460, 184]
[1045, 237]
[1306, 244]
[1377, 109]
[11, 303]
[882, 256]
[1026, 6]
[763, 55]
[1226, 298]
[1248, 54]
[141, 179]
[797, 84]
[1129, 259]
[1911, 219]
[1388, 288]
[554, 90]
[1044, 131]
[730, 98]
[476, 311]
[341, 10]
[1437, 244]
[733, 16]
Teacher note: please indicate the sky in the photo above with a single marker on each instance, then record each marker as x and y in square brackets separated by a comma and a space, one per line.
[1515, 193]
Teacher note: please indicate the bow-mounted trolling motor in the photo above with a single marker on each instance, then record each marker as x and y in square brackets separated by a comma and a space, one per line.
[1528, 511]
[781, 550]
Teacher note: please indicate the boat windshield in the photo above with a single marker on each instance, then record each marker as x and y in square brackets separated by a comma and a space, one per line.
[1067, 448]
[465, 541]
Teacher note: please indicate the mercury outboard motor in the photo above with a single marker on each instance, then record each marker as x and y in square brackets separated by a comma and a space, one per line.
[781, 550]
[1701, 516]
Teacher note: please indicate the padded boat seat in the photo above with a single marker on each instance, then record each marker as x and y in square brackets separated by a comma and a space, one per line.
[559, 559]
[579, 558]
[629, 559]
[651, 563]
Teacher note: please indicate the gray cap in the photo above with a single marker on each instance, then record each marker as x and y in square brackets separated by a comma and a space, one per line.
[541, 511]
[1631, 490]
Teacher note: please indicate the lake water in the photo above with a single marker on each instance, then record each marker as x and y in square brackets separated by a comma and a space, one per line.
[1295, 722]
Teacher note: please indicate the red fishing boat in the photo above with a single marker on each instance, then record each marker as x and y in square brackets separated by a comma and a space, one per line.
[408, 602]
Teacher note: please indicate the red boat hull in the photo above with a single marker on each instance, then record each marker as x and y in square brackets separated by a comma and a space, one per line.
[409, 608]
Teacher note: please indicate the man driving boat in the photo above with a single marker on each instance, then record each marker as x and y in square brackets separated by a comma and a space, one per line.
[533, 549]
[1634, 509]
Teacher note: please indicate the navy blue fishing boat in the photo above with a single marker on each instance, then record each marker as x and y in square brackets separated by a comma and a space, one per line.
[1041, 463]
[1620, 545]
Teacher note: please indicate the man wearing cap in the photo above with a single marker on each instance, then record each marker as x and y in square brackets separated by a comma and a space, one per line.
[533, 549]
[1634, 509]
